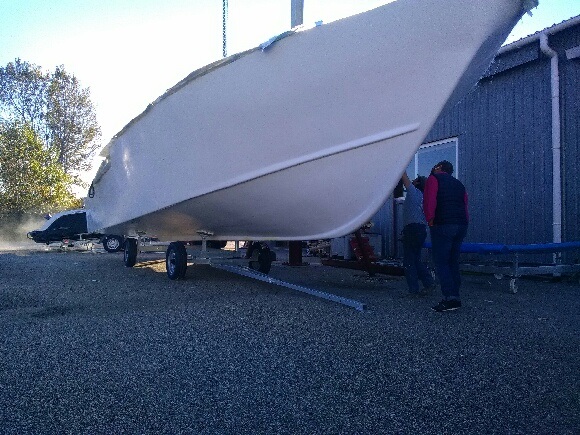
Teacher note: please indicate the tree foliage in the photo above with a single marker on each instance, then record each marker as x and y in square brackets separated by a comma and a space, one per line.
[71, 120]
[31, 178]
[55, 107]
[23, 92]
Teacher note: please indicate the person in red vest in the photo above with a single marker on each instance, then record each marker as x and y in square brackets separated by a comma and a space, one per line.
[445, 208]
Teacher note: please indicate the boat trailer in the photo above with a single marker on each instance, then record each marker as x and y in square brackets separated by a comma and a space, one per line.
[179, 254]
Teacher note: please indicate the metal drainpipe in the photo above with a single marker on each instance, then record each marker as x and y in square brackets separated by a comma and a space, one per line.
[556, 142]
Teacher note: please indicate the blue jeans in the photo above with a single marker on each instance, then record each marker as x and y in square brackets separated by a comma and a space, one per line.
[446, 246]
[413, 238]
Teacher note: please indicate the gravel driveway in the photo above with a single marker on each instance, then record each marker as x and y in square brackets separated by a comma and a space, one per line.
[89, 346]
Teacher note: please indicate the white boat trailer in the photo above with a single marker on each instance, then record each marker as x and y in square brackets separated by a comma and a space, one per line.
[179, 254]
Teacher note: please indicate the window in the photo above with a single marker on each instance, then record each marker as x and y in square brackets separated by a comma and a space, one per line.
[70, 224]
[430, 154]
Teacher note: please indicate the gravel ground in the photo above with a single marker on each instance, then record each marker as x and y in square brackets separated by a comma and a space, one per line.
[89, 346]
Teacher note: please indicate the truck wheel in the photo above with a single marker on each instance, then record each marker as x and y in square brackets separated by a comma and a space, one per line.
[112, 243]
[176, 260]
[130, 257]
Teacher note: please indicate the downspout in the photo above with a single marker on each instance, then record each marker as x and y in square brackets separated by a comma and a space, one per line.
[556, 142]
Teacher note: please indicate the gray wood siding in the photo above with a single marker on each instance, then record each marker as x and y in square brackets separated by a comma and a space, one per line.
[505, 158]
[504, 131]
[570, 103]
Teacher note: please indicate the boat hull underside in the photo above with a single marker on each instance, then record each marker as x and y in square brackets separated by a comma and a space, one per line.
[284, 205]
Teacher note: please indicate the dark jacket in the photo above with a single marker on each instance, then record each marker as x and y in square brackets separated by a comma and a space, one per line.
[451, 206]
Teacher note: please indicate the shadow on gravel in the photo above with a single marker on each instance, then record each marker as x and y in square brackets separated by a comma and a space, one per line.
[48, 312]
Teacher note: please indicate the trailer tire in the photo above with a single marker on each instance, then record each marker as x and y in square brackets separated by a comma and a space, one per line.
[112, 243]
[176, 260]
[130, 254]
[265, 257]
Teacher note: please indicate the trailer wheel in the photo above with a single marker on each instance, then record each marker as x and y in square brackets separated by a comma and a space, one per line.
[130, 256]
[264, 260]
[112, 243]
[176, 260]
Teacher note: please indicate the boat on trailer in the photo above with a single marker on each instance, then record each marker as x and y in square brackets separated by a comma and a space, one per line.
[302, 139]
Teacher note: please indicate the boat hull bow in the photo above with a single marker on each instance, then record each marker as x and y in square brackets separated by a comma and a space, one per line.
[304, 140]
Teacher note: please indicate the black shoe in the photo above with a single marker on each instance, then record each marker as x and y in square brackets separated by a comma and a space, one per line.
[450, 305]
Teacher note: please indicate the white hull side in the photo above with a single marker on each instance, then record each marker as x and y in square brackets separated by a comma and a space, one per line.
[283, 202]
[275, 145]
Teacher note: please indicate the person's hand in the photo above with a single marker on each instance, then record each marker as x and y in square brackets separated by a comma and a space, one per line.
[406, 180]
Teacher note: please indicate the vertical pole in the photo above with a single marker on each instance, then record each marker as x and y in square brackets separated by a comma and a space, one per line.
[296, 13]
[296, 19]
[295, 253]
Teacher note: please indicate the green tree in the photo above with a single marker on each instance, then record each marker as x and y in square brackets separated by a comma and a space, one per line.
[31, 179]
[23, 95]
[56, 107]
[72, 122]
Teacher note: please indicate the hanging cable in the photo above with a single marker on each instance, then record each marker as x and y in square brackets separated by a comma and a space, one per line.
[224, 22]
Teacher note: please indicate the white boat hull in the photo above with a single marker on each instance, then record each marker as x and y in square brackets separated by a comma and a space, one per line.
[305, 140]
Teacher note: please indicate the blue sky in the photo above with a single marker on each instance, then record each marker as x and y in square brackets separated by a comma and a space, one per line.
[130, 51]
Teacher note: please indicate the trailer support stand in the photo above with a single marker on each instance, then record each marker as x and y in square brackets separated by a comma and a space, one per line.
[360, 306]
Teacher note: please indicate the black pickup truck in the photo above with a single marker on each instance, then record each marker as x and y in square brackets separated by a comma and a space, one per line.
[72, 225]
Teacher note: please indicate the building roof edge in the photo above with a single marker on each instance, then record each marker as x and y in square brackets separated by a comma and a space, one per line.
[536, 36]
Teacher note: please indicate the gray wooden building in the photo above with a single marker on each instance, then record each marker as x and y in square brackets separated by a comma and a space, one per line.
[515, 143]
